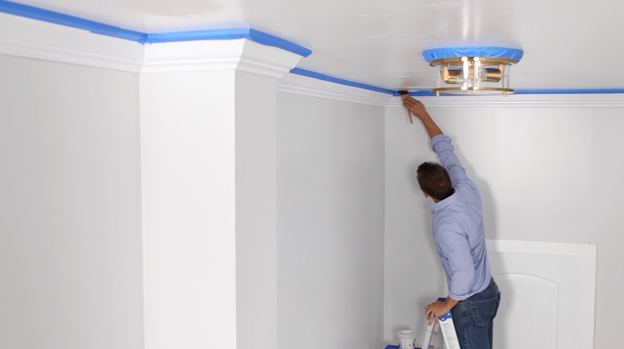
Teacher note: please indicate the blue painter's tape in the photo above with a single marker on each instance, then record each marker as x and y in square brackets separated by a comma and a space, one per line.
[230, 34]
[218, 34]
[474, 51]
[417, 94]
[422, 94]
[70, 21]
[270, 40]
[319, 76]
[109, 30]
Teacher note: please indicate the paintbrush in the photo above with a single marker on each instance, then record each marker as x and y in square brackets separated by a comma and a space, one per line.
[405, 94]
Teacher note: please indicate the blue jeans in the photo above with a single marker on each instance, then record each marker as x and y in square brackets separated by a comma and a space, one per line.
[474, 318]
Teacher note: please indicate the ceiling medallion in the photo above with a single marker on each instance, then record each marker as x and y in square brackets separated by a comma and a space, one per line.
[472, 70]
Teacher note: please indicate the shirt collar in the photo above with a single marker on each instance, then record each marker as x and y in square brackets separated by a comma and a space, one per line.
[444, 203]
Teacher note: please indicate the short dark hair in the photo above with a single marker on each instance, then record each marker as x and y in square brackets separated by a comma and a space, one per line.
[434, 180]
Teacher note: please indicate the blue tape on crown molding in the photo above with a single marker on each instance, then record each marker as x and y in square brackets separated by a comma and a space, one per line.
[230, 34]
[324, 77]
[116, 32]
[474, 51]
[70, 21]
[269, 40]
[417, 94]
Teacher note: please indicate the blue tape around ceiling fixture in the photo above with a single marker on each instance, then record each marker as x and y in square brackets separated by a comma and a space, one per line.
[475, 51]
[324, 77]
[230, 34]
[70, 21]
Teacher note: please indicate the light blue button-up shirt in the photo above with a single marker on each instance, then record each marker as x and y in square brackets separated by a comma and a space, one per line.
[458, 229]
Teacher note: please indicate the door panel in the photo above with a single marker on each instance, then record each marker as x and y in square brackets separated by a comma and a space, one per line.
[547, 294]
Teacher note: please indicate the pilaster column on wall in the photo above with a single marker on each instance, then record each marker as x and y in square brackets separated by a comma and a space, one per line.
[208, 143]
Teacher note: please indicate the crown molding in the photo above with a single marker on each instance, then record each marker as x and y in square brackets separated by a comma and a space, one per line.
[39, 34]
[240, 54]
[29, 38]
[43, 15]
[24, 37]
[307, 86]
[521, 101]
[63, 55]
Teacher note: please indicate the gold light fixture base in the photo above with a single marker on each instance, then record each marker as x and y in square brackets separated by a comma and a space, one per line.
[469, 90]
[472, 75]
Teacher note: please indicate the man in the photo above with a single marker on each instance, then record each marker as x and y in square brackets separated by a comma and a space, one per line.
[457, 227]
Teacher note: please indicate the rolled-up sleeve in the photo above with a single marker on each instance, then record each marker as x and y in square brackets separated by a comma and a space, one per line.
[461, 272]
[441, 144]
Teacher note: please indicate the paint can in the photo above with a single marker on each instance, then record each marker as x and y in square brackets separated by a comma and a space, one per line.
[407, 339]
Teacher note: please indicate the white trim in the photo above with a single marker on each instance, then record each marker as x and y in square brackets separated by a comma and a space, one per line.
[30, 38]
[62, 55]
[328, 95]
[306, 86]
[521, 101]
[23, 37]
[241, 54]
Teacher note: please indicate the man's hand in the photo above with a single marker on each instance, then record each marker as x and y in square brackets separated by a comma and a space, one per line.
[437, 309]
[418, 109]
[414, 106]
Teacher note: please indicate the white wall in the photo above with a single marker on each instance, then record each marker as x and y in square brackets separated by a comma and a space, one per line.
[209, 203]
[70, 227]
[412, 273]
[330, 223]
[188, 181]
[546, 173]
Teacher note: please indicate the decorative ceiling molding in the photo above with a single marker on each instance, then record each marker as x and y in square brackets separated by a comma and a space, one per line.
[43, 15]
[45, 41]
[41, 34]
[324, 77]
[22, 48]
[230, 34]
[29, 38]
[308, 86]
[241, 54]
[521, 101]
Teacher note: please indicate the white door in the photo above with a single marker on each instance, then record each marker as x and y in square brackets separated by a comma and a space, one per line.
[547, 294]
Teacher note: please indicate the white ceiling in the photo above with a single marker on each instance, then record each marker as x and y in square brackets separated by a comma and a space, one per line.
[568, 44]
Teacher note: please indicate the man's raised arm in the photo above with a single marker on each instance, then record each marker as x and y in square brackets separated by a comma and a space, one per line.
[440, 143]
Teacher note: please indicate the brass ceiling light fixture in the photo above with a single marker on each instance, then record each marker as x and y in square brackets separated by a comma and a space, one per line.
[472, 70]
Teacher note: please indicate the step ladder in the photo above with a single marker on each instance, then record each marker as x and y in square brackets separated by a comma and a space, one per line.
[444, 322]
[449, 335]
